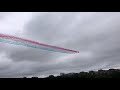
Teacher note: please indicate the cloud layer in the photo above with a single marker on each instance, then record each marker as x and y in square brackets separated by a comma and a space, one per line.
[94, 34]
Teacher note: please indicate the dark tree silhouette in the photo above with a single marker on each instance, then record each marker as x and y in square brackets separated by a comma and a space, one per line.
[111, 73]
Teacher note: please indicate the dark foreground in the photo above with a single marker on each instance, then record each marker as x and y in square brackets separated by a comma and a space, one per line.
[111, 73]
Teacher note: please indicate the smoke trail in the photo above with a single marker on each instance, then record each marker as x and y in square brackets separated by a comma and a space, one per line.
[29, 43]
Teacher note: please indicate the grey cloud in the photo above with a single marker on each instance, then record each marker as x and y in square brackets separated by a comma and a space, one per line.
[30, 55]
[50, 27]
[95, 35]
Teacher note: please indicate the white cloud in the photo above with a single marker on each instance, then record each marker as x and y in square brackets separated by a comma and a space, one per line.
[14, 23]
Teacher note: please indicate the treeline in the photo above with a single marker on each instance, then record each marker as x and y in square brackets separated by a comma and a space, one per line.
[111, 73]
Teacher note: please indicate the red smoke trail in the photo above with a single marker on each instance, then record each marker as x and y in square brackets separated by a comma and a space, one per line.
[10, 37]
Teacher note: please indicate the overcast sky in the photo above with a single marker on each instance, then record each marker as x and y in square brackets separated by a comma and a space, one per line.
[94, 34]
